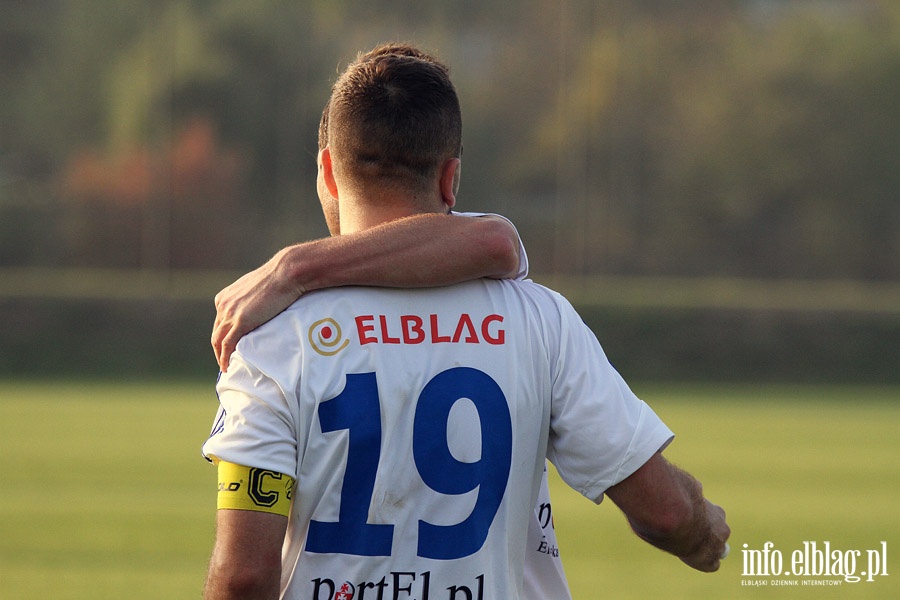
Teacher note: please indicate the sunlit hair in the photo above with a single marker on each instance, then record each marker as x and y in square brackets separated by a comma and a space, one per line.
[394, 118]
[400, 49]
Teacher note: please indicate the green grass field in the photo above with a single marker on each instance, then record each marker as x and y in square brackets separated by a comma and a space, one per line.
[103, 493]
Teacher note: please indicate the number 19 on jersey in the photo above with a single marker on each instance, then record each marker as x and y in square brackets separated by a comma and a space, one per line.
[357, 409]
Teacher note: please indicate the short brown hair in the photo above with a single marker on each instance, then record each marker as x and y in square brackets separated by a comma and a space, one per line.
[398, 48]
[394, 116]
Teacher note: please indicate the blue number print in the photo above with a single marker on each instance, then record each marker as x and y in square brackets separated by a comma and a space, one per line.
[444, 474]
[357, 409]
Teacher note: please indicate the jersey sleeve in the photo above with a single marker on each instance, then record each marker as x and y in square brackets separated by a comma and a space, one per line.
[600, 431]
[255, 426]
[523, 256]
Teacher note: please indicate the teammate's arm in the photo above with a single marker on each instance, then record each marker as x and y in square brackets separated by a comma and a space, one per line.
[246, 559]
[419, 251]
[666, 508]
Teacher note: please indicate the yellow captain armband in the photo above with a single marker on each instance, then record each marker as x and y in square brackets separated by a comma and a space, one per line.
[250, 488]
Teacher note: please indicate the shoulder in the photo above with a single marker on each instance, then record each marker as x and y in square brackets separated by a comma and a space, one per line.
[541, 297]
[486, 216]
[480, 215]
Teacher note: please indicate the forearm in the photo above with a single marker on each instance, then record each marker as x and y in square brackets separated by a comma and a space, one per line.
[666, 508]
[246, 558]
[227, 582]
[687, 528]
[420, 251]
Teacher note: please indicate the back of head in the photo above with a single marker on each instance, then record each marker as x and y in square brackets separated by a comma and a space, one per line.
[394, 119]
[398, 48]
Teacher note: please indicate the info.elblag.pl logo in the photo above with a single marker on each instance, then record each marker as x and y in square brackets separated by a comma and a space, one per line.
[813, 564]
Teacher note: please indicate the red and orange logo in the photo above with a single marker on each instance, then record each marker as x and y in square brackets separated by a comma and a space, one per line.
[326, 338]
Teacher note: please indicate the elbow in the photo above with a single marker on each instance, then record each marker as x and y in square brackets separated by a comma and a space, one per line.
[501, 249]
[244, 585]
[251, 581]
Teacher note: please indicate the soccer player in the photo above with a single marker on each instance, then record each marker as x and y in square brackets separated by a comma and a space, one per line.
[409, 252]
[415, 423]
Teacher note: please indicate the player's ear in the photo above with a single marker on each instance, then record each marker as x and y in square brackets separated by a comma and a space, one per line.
[450, 174]
[328, 172]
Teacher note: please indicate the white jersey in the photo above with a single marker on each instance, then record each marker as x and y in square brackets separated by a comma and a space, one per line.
[544, 576]
[416, 424]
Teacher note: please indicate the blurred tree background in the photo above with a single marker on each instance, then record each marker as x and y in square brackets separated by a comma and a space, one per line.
[640, 146]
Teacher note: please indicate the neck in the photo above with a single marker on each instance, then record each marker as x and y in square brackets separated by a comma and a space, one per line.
[358, 214]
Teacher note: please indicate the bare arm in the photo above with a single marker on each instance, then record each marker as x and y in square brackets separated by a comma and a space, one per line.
[666, 508]
[246, 560]
[420, 251]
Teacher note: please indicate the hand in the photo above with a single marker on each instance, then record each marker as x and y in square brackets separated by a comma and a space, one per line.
[708, 557]
[249, 302]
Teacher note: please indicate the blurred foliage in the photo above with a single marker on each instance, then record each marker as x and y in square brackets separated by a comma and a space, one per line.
[152, 338]
[194, 181]
[744, 138]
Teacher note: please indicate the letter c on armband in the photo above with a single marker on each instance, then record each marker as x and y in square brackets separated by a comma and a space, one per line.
[252, 488]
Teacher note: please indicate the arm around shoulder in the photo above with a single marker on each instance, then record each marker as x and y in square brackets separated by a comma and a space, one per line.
[666, 508]
[423, 250]
[418, 251]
